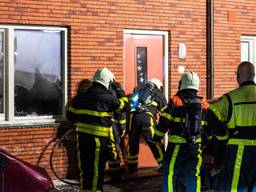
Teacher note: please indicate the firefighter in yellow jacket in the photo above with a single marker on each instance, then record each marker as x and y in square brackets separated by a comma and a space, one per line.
[91, 112]
[237, 110]
[183, 119]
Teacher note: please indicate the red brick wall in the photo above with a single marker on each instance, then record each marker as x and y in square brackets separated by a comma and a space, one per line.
[35, 145]
[96, 29]
[96, 40]
[233, 18]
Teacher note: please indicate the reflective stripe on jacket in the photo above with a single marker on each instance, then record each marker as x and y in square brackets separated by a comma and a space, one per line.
[91, 111]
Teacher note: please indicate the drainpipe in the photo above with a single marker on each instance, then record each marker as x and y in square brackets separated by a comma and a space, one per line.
[210, 49]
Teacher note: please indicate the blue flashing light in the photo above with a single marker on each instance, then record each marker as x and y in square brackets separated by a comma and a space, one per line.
[135, 101]
[135, 98]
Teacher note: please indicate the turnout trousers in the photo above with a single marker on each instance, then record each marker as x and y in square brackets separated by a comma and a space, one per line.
[92, 154]
[182, 167]
[239, 169]
[142, 123]
[114, 157]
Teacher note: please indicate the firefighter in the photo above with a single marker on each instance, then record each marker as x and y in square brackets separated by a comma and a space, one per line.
[145, 104]
[183, 120]
[91, 112]
[119, 130]
[82, 87]
[237, 111]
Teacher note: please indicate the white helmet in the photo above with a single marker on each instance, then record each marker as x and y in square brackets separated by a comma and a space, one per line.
[103, 76]
[156, 82]
[189, 80]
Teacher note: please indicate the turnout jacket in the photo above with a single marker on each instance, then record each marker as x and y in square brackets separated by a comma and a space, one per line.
[172, 118]
[157, 103]
[91, 112]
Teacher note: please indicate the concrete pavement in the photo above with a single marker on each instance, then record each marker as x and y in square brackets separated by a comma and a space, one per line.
[147, 180]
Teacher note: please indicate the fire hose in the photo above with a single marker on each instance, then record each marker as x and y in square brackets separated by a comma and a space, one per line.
[57, 142]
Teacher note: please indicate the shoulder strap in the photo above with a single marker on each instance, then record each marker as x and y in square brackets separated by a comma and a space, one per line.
[188, 100]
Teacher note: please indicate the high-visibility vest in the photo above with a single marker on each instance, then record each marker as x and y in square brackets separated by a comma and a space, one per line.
[238, 109]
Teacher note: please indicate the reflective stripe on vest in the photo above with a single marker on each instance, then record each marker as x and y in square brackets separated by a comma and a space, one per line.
[248, 142]
[243, 107]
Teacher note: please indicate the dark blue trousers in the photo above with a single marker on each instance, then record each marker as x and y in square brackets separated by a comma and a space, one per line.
[182, 168]
[239, 169]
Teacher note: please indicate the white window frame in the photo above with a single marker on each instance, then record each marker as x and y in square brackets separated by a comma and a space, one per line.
[9, 117]
[252, 48]
[2, 117]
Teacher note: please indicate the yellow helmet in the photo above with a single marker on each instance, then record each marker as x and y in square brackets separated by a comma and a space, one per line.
[189, 80]
[103, 76]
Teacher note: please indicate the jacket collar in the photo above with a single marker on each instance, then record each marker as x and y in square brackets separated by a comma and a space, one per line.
[187, 93]
[247, 83]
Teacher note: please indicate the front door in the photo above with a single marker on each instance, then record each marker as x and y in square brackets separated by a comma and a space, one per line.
[144, 59]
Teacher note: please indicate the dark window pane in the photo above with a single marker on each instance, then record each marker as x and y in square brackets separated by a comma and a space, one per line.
[37, 73]
[1, 72]
[141, 60]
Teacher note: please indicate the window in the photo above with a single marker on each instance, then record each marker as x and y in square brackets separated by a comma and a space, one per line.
[34, 61]
[141, 56]
[248, 49]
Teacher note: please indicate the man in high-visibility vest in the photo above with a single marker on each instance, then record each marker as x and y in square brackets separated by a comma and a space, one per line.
[183, 119]
[237, 110]
[91, 112]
